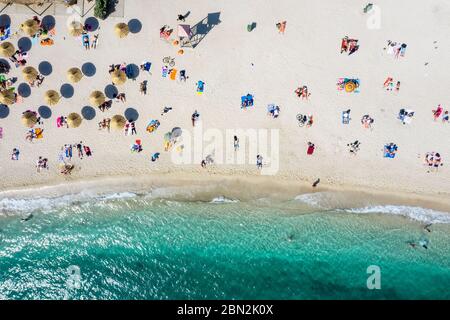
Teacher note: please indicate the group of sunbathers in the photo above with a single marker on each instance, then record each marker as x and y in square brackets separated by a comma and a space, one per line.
[349, 45]
[302, 92]
[389, 84]
[390, 150]
[440, 111]
[433, 160]
[367, 121]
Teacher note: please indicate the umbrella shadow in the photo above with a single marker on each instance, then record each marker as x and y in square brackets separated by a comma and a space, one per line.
[67, 90]
[111, 91]
[88, 69]
[45, 112]
[24, 44]
[132, 71]
[24, 90]
[131, 114]
[134, 25]
[202, 28]
[91, 24]
[48, 22]
[88, 113]
[45, 68]
[5, 21]
[4, 111]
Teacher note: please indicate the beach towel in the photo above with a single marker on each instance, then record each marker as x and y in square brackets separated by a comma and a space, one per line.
[200, 87]
[345, 117]
[1, 133]
[6, 34]
[165, 70]
[173, 74]
[34, 40]
[38, 133]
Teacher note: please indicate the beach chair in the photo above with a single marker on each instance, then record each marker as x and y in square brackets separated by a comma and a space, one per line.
[165, 71]
[173, 74]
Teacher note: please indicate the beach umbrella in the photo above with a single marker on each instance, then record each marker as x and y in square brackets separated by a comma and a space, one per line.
[30, 27]
[184, 31]
[52, 97]
[29, 74]
[7, 97]
[176, 132]
[118, 122]
[76, 28]
[121, 30]
[74, 75]
[29, 119]
[97, 98]
[7, 49]
[118, 77]
[74, 120]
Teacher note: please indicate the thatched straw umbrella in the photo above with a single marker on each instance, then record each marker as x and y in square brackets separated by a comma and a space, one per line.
[7, 49]
[74, 120]
[118, 122]
[29, 119]
[52, 97]
[7, 97]
[29, 74]
[76, 28]
[30, 27]
[74, 75]
[118, 77]
[121, 30]
[97, 98]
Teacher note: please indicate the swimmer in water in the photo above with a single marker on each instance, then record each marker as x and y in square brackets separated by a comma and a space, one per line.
[412, 244]
[424, 243]
[29, 217]
[427, 227]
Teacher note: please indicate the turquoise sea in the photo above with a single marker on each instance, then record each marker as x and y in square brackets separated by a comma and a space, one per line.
[134, 246]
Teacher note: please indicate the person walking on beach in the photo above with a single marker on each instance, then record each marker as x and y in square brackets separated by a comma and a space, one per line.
[155, 156]
[15, 154]
[195, 117]
[133, 128]
[236, 143]
[259, 161]
[143, 87]
[94, 43]
[80, 149]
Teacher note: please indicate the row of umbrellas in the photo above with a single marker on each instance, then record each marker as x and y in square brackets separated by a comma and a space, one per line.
[29, 120]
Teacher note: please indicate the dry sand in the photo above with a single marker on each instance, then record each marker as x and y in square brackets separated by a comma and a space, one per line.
[234, 62]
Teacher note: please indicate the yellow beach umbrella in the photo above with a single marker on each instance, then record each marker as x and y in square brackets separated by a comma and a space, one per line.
[121, 30]
[7, 49]
[74, 120]
[52, 97]
[118, 77]
[30, 27]
[118, 122]
[7, 97]
[97, 98]
[29, 119]
[29, 73]
[74, 75]
[76, 28]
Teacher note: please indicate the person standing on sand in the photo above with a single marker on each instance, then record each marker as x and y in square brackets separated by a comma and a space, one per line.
[259, 161]
[236, 143]
[80, 149]
[94, 43]
[133, 128]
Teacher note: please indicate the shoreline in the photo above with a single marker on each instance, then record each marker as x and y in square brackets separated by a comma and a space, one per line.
[204, 188]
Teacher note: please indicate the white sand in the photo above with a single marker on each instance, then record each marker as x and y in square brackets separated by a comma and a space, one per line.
[308, 53]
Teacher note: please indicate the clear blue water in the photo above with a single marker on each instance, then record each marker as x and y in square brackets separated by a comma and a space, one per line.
[141, 248]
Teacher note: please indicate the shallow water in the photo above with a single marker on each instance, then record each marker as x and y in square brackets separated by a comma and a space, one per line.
[126, 246]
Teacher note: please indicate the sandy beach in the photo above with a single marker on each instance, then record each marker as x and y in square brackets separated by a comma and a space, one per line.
[232, 62]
